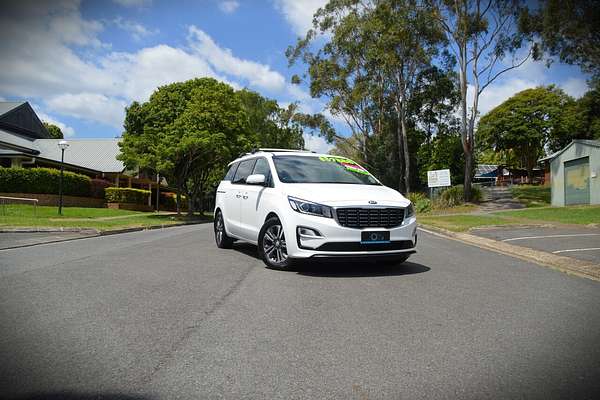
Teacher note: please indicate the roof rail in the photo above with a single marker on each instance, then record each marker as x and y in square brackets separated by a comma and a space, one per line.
[271, 150]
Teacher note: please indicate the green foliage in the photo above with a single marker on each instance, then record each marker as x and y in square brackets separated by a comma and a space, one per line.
[54, 131]
[273, 125]
[521, 126]
[531, 194]
[43, 181]
[569, 29]
[126, 195]
[454, 196]
[442, 152]
[421, 203]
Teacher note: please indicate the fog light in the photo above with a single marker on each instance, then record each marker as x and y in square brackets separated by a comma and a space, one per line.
[308, 232]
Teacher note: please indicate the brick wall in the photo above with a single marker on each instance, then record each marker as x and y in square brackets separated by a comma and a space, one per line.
[52, 200]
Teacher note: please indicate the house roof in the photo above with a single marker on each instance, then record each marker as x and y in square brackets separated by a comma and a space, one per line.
[6, 106]
[486, 170]
[10, 140]
[95, 154]
[585, 142]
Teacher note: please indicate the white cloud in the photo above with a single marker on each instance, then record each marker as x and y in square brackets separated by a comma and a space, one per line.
[90, 106]
[575, 87]
[317, 143]
[55, 66]
[222, 59]
[137, 30]
[67, 130]
[299, 13]
[133, 3]
[229, 6]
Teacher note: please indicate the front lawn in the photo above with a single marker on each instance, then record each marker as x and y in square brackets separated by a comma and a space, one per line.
[80, 217]
[580, 215]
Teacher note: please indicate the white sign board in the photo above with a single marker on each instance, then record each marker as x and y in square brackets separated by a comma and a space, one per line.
[438, 178]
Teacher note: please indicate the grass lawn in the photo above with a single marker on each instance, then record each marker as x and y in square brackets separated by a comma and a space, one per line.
[581, 215]
[80, 217]
[532, 196]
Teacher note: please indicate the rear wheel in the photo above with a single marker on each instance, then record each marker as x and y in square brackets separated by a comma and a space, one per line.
[223, 241]
[272, 245]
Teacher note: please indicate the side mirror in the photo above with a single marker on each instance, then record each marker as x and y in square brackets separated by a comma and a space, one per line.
[256, 179]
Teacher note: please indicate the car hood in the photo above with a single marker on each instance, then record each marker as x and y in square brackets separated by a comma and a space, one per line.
[346, 195]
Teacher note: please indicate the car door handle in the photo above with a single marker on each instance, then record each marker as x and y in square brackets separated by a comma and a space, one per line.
[244, 197]
[238, 195]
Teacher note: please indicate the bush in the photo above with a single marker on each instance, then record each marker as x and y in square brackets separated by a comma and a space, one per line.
[98, 186]
[43, 181]
[454, 196]
[126, 195]
[421, 203]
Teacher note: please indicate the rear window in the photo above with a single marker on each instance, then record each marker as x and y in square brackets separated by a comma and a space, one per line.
[243, 171]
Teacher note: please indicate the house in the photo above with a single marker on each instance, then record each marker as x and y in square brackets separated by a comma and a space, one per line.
[25, 142]
[500, 175]
[574, 173]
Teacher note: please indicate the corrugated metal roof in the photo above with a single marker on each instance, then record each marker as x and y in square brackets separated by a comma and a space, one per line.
[12, 140]
[485, 170]
[96, 154]
[587, 142]
[6, 106]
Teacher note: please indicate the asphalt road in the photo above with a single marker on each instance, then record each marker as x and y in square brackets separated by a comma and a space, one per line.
[577, 242]
[165, 315]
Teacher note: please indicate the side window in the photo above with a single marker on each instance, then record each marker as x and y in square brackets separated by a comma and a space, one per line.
[230, 172]
[243, 171]
[262, 167]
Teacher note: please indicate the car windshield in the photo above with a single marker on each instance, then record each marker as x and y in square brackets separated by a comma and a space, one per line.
[321, 169]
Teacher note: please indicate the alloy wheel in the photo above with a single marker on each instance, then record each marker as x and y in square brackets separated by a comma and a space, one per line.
[274, 246]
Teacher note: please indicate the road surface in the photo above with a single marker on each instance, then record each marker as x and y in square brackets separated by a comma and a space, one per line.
[166, 315]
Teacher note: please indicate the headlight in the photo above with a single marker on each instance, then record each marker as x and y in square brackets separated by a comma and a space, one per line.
[409, 211]
[308, 207]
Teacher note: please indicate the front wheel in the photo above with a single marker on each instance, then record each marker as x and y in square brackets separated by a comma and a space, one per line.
[272, 245]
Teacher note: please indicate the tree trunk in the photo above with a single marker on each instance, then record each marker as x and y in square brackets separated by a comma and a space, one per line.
[178, 201]
[405, 151]
[468, 179]
[190, 199]
[401, 181]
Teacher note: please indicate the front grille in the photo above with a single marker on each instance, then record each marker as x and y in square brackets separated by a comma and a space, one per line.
[358, 246]
[370, 217]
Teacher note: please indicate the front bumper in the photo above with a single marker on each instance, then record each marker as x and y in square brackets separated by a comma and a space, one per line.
[334, 240]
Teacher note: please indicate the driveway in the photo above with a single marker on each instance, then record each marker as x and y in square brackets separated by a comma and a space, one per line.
[165, 315]
[578, 242]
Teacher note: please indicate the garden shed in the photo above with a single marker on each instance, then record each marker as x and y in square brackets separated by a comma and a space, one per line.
[574, 173]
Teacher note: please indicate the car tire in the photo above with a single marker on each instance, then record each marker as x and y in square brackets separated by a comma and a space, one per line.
[272, 245]
[223, 241]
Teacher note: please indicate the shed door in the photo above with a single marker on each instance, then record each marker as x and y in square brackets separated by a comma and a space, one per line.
[577, 181]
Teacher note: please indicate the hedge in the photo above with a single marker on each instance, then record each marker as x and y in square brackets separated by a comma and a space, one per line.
[43, 181]
[126, 195]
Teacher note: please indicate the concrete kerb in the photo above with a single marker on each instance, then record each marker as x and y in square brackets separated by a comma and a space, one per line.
[568, 265]
[89, 232]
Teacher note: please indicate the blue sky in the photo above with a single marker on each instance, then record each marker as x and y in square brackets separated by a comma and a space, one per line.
[80, 63]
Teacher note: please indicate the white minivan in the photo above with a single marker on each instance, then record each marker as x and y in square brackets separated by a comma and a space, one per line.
[298, 205]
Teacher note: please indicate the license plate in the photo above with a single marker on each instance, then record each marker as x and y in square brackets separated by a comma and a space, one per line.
[372, 237]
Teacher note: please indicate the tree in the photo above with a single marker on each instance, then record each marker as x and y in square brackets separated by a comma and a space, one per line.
[567, 29]
[369, 68]
[481, 35]
[54, 131]
[184, 131]
[524, 124]
[274, 126]
[588, 107]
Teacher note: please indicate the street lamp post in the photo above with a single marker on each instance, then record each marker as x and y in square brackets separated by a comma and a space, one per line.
[62, 145]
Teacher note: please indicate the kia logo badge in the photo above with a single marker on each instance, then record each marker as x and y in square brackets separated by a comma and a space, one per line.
[372, 202]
